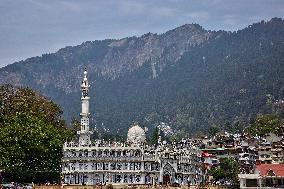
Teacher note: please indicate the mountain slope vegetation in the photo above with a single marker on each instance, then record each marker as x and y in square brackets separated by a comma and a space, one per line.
[190, 78]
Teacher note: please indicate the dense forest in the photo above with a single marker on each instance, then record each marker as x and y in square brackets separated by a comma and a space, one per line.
[199, 80]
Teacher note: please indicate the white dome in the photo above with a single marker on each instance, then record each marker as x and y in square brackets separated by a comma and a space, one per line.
[136, 135]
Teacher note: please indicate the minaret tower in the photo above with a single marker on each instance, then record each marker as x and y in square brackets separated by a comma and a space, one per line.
[85, 133]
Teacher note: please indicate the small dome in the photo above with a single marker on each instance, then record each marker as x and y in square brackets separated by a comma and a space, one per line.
[136, 135]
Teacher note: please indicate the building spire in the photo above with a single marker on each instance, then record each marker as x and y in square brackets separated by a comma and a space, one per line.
[85, 132]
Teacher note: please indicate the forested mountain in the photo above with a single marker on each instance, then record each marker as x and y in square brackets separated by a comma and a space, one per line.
[190, 78]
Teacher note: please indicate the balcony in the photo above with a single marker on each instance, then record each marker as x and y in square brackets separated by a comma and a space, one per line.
[101, 158]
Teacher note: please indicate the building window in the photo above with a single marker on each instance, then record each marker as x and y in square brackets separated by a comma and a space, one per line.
[118, 153]
[131, 166]
[179, 168]
[74, 154]
[118, 178]
[125, 179]
[137, 166]
[112, 166]
[105, 166]
[131, 178]
[73, 166]
[112, 153]
[118, 166]
[93, 166]
[146, 166]
[125, 166]
[80, 166]
[138, 178]
[94, 153]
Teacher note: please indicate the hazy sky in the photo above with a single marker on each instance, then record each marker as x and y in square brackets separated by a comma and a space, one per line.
[32, 27]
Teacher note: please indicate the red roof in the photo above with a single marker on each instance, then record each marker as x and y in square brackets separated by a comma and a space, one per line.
[270, 169]
[205, 154]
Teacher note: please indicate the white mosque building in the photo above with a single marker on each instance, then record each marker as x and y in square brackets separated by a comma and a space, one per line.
[130, 162]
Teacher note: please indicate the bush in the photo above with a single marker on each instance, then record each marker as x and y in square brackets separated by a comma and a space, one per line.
[109, 186]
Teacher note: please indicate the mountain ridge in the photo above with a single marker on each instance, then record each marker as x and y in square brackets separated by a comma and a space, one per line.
[134, 78]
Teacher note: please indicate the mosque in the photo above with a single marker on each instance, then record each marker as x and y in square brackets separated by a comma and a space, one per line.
[131, 162]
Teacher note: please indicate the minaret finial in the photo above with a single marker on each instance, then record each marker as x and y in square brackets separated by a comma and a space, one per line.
[85, 74]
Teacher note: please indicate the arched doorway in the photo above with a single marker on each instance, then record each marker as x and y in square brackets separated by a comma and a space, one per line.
[168, 174]
[166, 179]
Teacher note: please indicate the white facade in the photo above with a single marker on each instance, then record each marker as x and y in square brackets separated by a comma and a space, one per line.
[132, 162]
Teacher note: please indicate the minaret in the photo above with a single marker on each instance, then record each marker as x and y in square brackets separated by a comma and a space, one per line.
[85, 133]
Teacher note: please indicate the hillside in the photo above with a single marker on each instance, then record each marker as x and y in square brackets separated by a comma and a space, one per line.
[189, 77]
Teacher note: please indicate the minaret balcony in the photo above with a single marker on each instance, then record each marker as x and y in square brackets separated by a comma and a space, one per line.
[84, 132]
[85, 98]
[85, 114]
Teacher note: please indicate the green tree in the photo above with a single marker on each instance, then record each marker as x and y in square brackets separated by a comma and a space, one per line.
[217, 173]
[75, 126]
[31, 135]
[231, 169]
[228, 170]
[155, 136]
[24, 101]
[213, 131]
[265, 124]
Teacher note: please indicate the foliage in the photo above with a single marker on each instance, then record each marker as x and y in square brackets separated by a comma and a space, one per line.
[108, 136]
[213, 131]
[75, 126]
[264, 124]
[109, 186]
[31, 135]
[228, 170]
[217, 173]
[24, 101]
[155, 136]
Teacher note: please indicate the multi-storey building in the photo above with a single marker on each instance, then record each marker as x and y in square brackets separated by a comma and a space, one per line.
[130, 162]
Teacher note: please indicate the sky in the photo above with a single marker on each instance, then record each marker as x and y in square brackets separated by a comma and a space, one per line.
[32, 27]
